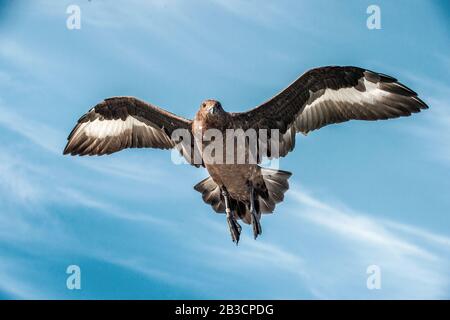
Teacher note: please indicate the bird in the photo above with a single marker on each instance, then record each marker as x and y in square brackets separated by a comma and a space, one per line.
[244, 191]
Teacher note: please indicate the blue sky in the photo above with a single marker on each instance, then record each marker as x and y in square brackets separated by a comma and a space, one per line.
[361, 194]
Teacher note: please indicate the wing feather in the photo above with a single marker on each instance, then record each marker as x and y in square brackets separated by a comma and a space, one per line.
[126, 122]
[327, 95]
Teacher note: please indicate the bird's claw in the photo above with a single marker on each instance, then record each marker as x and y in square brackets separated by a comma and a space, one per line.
[257, 230]
[235, 229]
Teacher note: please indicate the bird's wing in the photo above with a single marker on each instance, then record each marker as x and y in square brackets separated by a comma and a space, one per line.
[329, 95]
[126, 122]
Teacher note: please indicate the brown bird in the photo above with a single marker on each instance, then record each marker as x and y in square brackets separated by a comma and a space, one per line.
[243, 191]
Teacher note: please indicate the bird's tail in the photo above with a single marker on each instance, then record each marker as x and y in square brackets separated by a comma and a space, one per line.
[211, 194]
[272, 190]
[270, 187]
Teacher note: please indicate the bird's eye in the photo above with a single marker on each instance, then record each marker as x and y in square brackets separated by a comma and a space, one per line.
[203, 105]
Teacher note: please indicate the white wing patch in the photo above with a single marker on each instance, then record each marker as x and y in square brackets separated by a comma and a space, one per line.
[106, 136]
[110, 128]
[371, 95]
[374, 102]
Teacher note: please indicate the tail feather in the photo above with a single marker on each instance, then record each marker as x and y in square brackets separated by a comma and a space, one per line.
[274, 183]
[211, 194]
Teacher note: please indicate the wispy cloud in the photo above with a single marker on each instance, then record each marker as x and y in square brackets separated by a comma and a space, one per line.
[15, 287]
[38, 133]
[413, 260]
[17, 54]
[356, 226]
[13, 178]
[256, 255]
[75, 197]
[411, 267]
[435, 129]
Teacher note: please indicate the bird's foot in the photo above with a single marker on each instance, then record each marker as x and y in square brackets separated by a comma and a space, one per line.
[235, 228]
[257, 230]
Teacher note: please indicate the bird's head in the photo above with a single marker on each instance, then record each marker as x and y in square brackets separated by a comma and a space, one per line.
[211, 108]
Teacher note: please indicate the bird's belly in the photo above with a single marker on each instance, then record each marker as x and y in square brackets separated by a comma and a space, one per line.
[234, 177]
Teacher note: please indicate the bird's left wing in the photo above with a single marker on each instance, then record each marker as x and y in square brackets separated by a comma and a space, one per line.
[329, 95]
[126, 122]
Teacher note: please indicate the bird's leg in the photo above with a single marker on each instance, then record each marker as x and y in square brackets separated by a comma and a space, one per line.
[235, 228]
[257, 230]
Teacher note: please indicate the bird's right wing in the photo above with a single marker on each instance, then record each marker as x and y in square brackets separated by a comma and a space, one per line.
[327, 95]
[126, 122]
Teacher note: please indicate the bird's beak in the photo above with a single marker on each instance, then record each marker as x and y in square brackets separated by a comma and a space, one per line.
[212, 110]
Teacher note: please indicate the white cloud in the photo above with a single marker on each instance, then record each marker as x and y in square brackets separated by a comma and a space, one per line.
[355, 226]
[15, 287]
[436, 239]
[325, 249]
[411, 268]
[434, 129]
[71, 196]
[14, 181]
[17, 54]
[38, 133]
[437, 130]
[152, 270]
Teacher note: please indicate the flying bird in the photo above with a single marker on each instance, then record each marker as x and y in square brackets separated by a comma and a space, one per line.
[244, 191]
